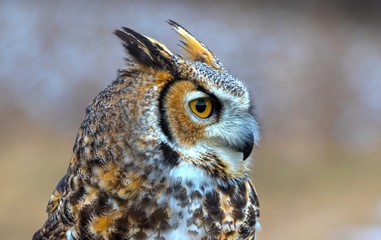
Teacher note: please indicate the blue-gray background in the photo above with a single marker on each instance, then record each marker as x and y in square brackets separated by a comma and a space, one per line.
[313, 68]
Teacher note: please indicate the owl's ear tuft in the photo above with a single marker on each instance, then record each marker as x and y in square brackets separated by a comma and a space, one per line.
[145, 50]
[195, 50]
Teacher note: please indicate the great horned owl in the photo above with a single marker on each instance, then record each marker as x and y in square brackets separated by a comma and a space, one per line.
[161, 152]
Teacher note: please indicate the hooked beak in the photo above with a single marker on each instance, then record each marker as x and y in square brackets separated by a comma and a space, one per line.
[240, 136]
[246, 147]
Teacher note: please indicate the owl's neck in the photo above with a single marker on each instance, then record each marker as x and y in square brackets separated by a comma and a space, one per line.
[192, 176]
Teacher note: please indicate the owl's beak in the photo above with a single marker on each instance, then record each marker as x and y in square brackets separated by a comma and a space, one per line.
[240, 137]
[246, 147]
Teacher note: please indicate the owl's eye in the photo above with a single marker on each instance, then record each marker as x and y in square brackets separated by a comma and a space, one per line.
[202, 107]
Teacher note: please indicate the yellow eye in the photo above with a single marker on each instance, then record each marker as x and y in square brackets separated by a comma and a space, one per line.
[202, 107]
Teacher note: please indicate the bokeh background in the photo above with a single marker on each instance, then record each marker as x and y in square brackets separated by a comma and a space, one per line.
[313, 68]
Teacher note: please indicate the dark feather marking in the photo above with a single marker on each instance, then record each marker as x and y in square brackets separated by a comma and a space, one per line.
[131, 41]
[180, 193]
[121, 227]
[66, 214]
[192, 232]
[253, 196]
[159, 218]
[141, 235]
[101, 206]
[247, 229]
[61, 185]
[95, 162]
[77, 196]
[84, 220]
[195, 195]
[198, 213]
[139, 215]
[182, 197]
[164, 124]
[52, 229]
[238, 201]
[189, 184]
[212, 205]
[131, 44]
[227, 189]
[170, 156]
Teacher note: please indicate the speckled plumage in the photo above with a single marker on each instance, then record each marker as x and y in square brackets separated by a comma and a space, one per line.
[145, 165]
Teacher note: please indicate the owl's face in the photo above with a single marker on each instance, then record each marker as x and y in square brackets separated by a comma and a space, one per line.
[201, 112]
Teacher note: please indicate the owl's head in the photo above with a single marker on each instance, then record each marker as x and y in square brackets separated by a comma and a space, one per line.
[190, 103]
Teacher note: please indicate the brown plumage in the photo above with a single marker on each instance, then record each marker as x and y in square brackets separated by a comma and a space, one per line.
[161, 152]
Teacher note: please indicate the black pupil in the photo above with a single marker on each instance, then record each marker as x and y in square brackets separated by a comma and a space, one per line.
[201, 105]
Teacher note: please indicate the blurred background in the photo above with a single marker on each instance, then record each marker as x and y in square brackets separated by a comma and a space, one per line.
[313, 68]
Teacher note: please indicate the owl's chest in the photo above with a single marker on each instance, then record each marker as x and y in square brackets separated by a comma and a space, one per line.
[181, 212]
[188, 205]
[197, 208]
[197, 212]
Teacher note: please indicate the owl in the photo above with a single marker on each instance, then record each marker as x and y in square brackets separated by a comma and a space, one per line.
[162, 152]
